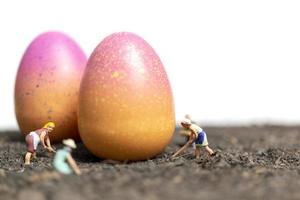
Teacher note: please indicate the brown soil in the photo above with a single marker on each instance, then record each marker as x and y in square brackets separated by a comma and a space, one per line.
[257, 162]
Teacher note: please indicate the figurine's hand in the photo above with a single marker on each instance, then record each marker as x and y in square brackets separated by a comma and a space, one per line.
[190, 141]
[78, 172]
[50, 149]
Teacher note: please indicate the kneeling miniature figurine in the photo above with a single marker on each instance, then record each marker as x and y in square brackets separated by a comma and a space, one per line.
[63, 161]
[197, 138]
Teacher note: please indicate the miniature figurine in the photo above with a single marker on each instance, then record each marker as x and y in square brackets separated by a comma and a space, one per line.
[35, 137]
[63, 161]
[197, 138]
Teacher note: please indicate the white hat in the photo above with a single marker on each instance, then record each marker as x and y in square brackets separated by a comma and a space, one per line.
[186, 121]
[188, 116]
[70, 143]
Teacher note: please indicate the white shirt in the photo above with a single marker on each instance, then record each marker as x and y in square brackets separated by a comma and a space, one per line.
[197, 129]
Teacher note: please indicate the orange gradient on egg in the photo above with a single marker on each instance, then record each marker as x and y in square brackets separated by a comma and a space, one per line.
[126, 109]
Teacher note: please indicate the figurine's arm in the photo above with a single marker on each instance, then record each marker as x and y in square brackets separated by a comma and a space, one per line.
[42, 138]
[192, 137]
[49, 147]
[73, 164]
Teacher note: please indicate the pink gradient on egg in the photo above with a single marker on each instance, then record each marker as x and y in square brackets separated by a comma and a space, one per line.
[128, 59]
[52, 46]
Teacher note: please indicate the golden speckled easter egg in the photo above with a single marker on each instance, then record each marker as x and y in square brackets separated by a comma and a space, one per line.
[126, 107]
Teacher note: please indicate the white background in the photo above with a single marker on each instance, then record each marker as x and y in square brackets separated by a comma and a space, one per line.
[228, 61]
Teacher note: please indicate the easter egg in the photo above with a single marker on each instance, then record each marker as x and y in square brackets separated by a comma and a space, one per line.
[126, 109]
[47, 85]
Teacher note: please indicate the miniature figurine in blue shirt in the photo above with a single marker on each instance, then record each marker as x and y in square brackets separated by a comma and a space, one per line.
[197, 138]
[63, 161]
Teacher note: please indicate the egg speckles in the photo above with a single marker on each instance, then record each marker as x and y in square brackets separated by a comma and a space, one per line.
[47, 85]
[125, 104]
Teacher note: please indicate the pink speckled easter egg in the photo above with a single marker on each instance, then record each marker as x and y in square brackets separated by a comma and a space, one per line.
[126, 107]
[47, 85]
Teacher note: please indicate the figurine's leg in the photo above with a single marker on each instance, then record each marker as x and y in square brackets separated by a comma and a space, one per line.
[197, 152]
[209, 150]
[27, 158]
[34, 155]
